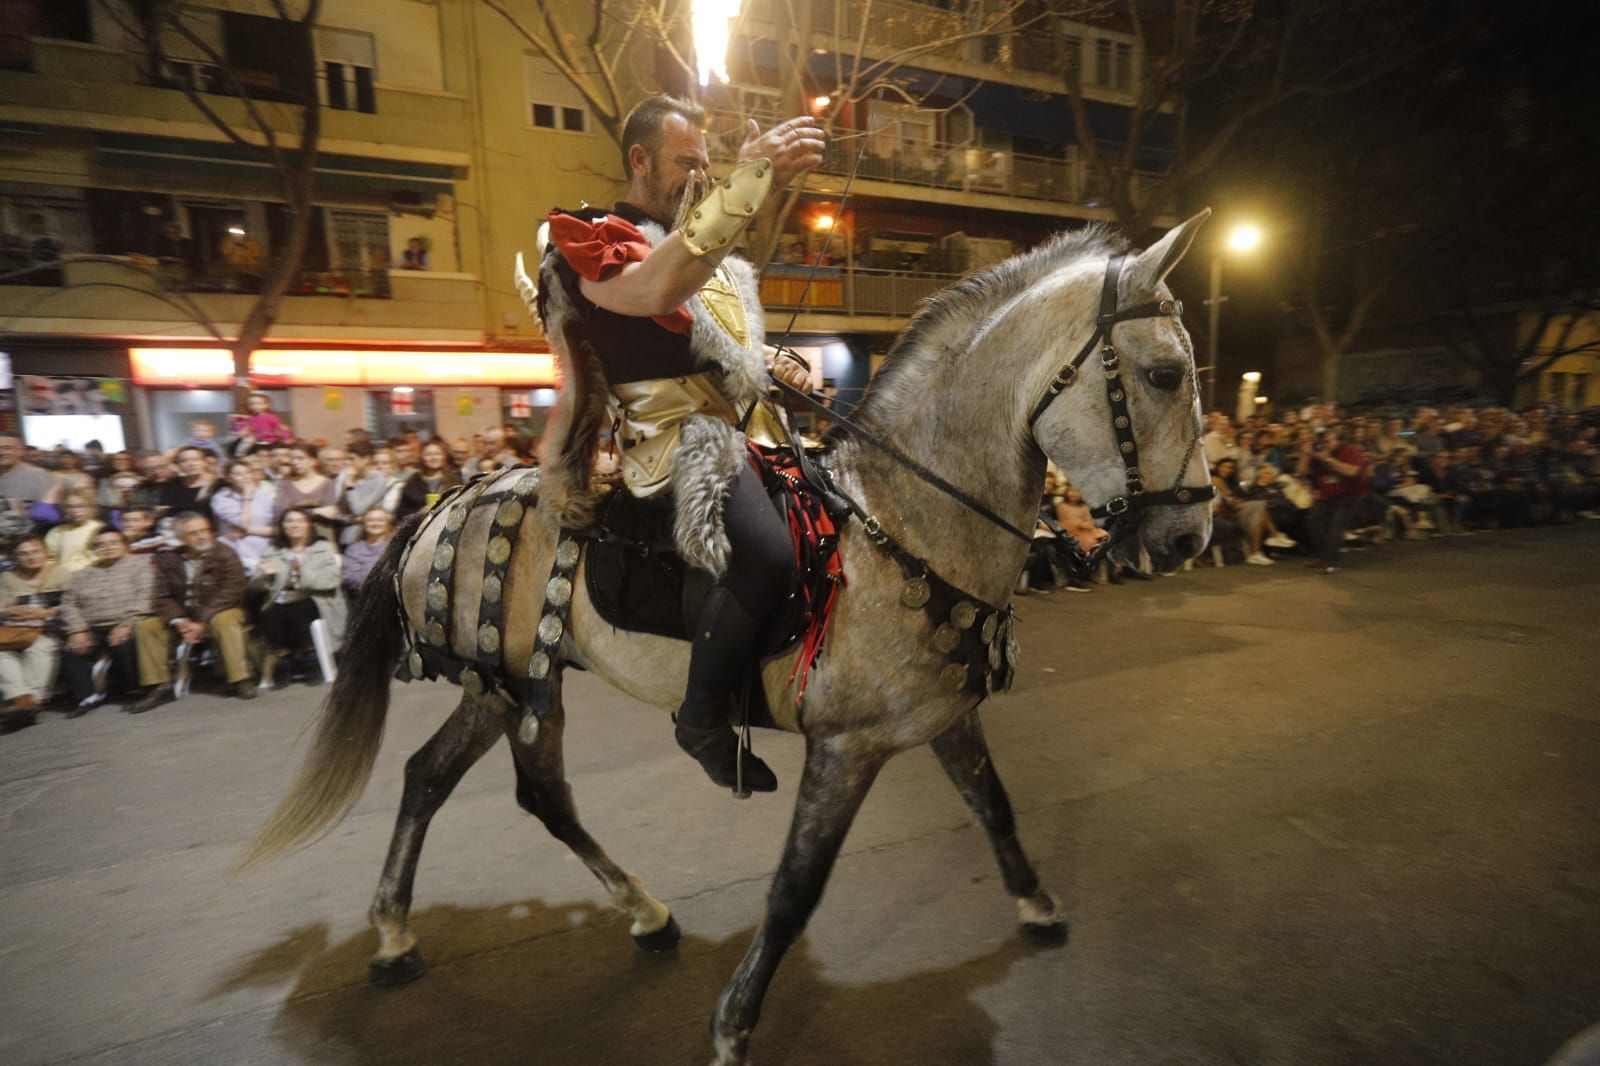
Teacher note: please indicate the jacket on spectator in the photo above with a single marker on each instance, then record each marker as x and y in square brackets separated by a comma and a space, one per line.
[218, 584]
[103, 596]
[320, 578]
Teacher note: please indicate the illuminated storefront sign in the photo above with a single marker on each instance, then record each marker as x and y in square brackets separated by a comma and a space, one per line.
[279, 367]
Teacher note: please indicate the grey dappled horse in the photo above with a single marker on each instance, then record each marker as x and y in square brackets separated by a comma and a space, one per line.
[959, 393]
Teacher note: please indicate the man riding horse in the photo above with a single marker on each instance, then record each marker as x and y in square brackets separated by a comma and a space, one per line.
[649, 298]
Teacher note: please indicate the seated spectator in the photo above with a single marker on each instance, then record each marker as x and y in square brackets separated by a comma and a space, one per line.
[430, 482]
[191, 490]
[306, 487]
[139, 529]
[118, 480]
[70, 544]
[30, 599]
[244, 509]
[102, 604]
[377, 529]
[199, 595]
[1078, 523]
[301, 577]
[1286, 500]
[363, 489]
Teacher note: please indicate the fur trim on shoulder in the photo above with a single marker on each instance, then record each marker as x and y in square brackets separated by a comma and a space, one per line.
[572, 436]
[706, 462]
[744, 368]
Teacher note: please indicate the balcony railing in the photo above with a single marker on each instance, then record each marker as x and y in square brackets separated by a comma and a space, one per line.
[848, 291]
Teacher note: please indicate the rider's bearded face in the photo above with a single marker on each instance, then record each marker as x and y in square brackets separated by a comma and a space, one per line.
[667, 170]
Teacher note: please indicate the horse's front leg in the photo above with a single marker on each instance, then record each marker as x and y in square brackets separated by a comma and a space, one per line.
[835, 781]
[964, 754]
[431, 774]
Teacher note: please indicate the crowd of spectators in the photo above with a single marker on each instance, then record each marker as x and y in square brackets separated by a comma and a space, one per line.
[123, 573]
[1320, 482]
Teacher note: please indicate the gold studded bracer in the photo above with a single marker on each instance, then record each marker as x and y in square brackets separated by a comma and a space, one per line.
[714, 223]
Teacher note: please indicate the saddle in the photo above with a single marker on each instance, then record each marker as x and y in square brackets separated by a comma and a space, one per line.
[638, 582]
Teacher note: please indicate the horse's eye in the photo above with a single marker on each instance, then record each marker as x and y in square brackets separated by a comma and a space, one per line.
[1165, 378]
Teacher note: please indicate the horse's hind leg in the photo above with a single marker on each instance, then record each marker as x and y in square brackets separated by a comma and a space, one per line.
[964, 754]
[543, 792]
[431, 774]
[835, 781]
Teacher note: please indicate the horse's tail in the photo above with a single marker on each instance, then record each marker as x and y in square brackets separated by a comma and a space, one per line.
[351, 727]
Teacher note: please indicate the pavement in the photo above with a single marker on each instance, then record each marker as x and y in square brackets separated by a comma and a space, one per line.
[1295, 819]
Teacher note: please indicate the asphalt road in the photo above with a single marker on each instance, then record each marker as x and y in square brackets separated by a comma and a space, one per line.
[1296, 819]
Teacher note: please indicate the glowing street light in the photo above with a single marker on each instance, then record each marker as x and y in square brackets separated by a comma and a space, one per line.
[822, 223]
[1242, 239]
[820, 103]
[710, 22]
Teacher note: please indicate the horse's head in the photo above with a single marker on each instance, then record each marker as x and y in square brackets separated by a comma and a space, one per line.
[1124, 426]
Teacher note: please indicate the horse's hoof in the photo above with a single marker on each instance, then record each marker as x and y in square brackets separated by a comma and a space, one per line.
[662, 940]
[1045, 935]
[400, 970]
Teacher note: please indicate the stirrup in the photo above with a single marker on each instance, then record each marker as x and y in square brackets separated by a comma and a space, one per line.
[740, 770]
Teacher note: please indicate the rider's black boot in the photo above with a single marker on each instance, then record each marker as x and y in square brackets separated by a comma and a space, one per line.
[724, 643]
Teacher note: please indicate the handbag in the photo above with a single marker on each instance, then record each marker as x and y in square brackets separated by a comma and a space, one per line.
[18, 638]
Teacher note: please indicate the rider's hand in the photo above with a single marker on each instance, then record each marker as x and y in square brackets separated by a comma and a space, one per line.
[790, 371]
[794, 146]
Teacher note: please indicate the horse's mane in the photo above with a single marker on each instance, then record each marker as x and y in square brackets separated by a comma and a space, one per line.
[946, 320]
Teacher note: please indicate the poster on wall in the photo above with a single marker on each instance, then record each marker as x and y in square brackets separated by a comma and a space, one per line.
[41, 395]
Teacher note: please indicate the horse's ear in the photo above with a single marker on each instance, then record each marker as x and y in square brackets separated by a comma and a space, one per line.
[1156, 262]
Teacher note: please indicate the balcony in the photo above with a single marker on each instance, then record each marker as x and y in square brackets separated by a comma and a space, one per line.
[118, 297]
[848, 291]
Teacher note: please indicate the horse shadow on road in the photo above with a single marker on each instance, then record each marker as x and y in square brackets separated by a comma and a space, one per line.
[530, 982]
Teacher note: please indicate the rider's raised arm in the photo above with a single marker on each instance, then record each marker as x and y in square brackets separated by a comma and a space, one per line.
[655, 285]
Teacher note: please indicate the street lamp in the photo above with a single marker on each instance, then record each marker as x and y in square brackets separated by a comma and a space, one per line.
[1242, 239]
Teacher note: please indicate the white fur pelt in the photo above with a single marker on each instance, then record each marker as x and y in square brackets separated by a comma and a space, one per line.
[711, 451]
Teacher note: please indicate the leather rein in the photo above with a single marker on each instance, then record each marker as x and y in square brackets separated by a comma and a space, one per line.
[1123, 512]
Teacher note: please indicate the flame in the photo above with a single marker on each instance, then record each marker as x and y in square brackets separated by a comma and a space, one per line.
[710, 22]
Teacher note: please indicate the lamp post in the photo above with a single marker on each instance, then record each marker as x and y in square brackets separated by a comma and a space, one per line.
[1241, 239]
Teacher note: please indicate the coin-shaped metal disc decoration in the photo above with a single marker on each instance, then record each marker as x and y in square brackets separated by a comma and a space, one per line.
[456, 519]
[963, 614]
[953, 677]
[994, 656]
[443, 556]
[539, 666]
[558, 591]
[528, 731]
[990, 624]
[414, 661]
[436, 634]
[1013, 652]
[567, 554]
[945, 638]
[527, 485]
[492, 589]
[550, 629]
[509, 514]
[499, 550]
[488, 639]
[471, 682]
[915, 593]
[438, 596]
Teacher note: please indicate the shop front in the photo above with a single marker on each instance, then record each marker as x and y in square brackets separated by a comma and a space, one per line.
[322, 393]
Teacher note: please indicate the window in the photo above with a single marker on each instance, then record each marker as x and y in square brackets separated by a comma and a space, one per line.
[1072, 49]
[554, 103]
[358, 240]
[1113, 64]
[347, 65]
[188, 64]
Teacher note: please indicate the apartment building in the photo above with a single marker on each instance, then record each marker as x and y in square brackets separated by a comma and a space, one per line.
[445, 139]
[434, 169]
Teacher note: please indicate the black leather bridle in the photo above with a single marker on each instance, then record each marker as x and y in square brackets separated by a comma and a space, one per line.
[1123, 512]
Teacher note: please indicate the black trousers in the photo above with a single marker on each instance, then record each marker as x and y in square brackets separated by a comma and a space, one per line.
[1327, 522]
[78, 670]
[761, 562]
[287, 626]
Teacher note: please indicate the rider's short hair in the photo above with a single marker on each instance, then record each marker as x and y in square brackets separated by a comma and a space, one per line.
[643, 124]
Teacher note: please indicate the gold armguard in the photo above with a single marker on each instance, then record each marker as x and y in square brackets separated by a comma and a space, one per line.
[715, 221]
